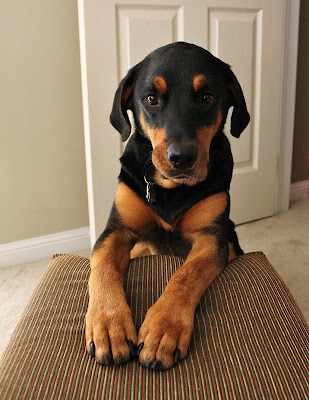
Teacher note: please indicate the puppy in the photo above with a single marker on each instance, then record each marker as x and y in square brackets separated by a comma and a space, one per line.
[172, 198]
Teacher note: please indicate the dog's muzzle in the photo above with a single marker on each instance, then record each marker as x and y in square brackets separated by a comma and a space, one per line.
[182, 156]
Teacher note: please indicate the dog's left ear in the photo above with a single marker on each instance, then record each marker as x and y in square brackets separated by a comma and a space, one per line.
[240, 116]
[119, 116]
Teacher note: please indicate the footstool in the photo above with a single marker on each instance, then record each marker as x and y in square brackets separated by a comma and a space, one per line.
[250, 339]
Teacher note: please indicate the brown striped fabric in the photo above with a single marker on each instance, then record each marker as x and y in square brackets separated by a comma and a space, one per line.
[250, 339]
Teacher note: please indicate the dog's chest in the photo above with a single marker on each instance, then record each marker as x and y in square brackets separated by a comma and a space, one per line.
[164, 242]
[170, 205]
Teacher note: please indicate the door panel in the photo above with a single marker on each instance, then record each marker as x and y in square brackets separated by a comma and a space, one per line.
[246, 35]
[250, 40]
[143, 28]
[236, 36]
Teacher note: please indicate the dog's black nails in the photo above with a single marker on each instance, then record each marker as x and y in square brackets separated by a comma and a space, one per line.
[176, 355]
[106, 360]
[139, 348]
[156, 364]
[147, 363]
[132, 347]
[119, 360]
[92, 350]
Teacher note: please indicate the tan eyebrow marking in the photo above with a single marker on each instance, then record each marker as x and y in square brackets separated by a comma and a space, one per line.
[160, 84]
[199, 81]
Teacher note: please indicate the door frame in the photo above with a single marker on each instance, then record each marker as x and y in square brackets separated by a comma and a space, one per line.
[287, 109]
[286, 117]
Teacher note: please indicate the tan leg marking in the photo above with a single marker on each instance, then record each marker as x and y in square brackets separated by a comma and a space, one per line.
[108, 320]
[142, 249]
[162, 331]
[134, 213]
[204, 213]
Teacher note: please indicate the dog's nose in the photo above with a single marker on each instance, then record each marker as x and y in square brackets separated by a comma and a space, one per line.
[182, 156]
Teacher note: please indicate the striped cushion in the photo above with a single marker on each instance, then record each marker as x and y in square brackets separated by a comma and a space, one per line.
[250, 339]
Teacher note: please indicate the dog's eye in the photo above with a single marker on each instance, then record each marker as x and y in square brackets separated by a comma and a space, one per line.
[207, 98]
[152, 100]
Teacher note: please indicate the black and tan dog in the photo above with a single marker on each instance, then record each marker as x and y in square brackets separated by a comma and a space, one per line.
[173, 198]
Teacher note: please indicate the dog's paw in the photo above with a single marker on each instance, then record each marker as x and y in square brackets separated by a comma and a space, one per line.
[110, 334]
[165, 335]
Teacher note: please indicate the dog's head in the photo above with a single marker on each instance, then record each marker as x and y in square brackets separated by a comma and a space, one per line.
[180, 95]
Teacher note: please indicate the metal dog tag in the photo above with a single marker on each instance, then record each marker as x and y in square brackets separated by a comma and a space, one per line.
[150, 192]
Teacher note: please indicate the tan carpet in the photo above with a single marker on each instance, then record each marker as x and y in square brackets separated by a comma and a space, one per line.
[283, 238]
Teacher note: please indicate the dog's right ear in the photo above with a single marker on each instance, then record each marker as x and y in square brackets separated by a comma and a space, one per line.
[119, 116]
[240, 116]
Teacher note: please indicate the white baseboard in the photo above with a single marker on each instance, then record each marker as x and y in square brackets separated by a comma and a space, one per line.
[299, 190]
[42, 247]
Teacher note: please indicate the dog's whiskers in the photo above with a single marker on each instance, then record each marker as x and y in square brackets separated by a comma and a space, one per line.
[148, 163]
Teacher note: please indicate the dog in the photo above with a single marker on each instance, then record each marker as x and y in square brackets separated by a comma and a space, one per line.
[172, 198]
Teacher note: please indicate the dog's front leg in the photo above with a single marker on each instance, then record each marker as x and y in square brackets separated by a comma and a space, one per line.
[109, 325]
[165, 335]
[110, 332]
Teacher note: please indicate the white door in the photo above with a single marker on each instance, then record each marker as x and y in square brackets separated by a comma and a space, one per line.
[246, 34]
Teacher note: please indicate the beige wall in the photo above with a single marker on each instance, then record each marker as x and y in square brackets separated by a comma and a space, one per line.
[300, 166]
[42, 163]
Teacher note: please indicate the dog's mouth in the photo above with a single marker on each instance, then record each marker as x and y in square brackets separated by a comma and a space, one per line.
[180, 178]
[172, 179]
